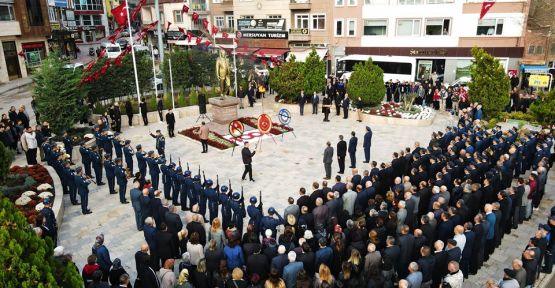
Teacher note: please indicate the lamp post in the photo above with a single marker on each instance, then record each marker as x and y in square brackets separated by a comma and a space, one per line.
[133, 55]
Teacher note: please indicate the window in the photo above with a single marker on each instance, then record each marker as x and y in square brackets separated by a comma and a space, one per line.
[439, 1]
[535, 49]
[247, 17]
[339, 2]
[408, 27]
[318, 21]
[410, 2]
[352, 2]
[34, 13]
[375, 27]
[89, 5]
[177, 16]
[437, 26]
[97, 20]
[196, 25]
[531, 49]
[86, 20]
[338, 27]
[230, 21]
[490, 27]
[274, 16]
[351, 27]
[301, 21]
[219, 20]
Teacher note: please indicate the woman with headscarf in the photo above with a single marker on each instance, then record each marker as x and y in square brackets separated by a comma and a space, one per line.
[116, 271]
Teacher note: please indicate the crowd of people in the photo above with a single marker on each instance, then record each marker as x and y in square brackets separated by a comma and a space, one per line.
[429, 218]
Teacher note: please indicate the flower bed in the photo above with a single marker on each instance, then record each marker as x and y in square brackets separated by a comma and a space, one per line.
[393, 109]
[214, 139]
[277, 129]
[26, 187]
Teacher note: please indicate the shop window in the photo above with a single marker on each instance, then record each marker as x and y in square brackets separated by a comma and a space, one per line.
[34, 13]
[437, 26]
[408, 27]
[490, 27]
[34, 54]
[6, 12]
[375, 27]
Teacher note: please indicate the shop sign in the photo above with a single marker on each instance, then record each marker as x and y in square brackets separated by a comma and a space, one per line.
[54, 26]
[541, 81]
[264, 35]
[261, 24]
[299, 31]
[428, 52]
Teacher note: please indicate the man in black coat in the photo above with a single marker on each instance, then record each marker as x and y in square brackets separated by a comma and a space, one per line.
[467, 251]
[346, 104]
[440, 265]
[258, 263]
[426, 265]
[247, 160]
[392, 252]
[164, 243]
[170, 120]
[341, 153]
[144, 111]
[142, 260]
[173, 221]
[353, 149]
[326, 107]
[302, 101]
[406, 243]
[367, 144]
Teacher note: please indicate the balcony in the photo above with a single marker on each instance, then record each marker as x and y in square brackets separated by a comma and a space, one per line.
[227, 5]
[89, 7]
[299, 5]
[299, 34]
[199, 6]
[10, 28]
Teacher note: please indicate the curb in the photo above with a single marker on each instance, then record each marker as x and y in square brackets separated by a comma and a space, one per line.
[58, 206]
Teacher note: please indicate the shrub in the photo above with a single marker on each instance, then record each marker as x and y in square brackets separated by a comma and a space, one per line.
[366, 82]
[544, 108]
[6, 158]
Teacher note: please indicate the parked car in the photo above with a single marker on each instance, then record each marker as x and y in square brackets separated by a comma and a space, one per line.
[112, 50]
[261, 69]
[122, 42]
[74, 66]
[463, 81]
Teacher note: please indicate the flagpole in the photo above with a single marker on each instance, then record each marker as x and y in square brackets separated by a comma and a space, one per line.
[153, 69]
[235, 66]
[133, 55]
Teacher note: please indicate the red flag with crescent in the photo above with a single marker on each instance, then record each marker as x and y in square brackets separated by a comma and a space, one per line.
[198, 40]
[105, 67]
[486, 5]
[195, 16]
[137, 10]
[118, 59]
[168, 27]
[215, 30]
[205, 23]
[225, 35]
[189, 36]
[120, 14]
[181, 30]
[101, 54]
[207, 43]
[185, 9]
[89, 67]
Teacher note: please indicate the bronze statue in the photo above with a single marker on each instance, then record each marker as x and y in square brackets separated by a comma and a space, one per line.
[223, 72]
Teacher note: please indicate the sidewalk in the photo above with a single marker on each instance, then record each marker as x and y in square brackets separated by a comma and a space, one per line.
[15, 84]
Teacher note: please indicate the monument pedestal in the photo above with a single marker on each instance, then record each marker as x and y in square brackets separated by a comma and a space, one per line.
[224, 109]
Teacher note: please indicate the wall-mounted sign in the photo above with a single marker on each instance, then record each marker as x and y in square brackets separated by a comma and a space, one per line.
[261, 24]
[428, 52]
[299, 31]
[264, 35]
[541, 81]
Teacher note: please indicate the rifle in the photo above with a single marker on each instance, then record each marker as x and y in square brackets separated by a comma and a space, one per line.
[198, 170]
[217, 183]
[204, 177]
[179, 161]
[171, 158]
[260, 204]
[188, 166]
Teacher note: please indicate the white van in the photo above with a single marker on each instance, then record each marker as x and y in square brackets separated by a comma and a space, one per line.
[112, 50]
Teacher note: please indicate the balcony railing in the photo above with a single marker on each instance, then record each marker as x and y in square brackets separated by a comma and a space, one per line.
[89, 7]
[299, 5]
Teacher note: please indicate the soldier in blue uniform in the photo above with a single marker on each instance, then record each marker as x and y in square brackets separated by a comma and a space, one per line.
[202, 197]
[213, 198]
[121, 179]
[153, 161]
[195, 192]
[106, 141]
[128, 153]
[166, 184]
[226, 207]
[97, 165]
[86, 159]
[69, 175]
[175, 182]
[141, 162]
[58, 166]
[188, 185]
[47, 150]
[238, 208]
[82, 185]
[181, 190]
[68, 145]
[269, 222]
[255, 214]
[160, 142]
[118, 146]
[109, 166]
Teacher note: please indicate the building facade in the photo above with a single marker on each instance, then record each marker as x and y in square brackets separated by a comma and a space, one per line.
[92, 20]
[24, 28]
[63, 26]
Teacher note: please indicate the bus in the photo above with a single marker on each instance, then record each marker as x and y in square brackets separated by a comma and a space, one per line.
[400, 68]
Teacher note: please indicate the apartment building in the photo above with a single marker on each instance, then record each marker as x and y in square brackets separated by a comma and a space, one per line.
[24, 26]
[63, 26]
[92, 21]
[539, 41]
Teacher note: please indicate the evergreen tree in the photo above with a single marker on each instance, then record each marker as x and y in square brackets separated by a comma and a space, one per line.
[544, 109]
[27, 260]
[288, 79]
[7, 156]
[204, 66]
[314, 73]
[58, 94]
[367, 83]
[180, 69]
[490, 85]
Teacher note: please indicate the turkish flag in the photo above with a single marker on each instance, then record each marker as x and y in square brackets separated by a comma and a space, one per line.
[137, 10]
[215, 30]
[486, 5]
[168, 27]
[105, 67]
[207, 43]
[225, 35]
[102, 52]
[118, 59]
[195, 16]
[199, 39]
[205, 23]
[236, 41]
[189, 36]
[89, 67]
[181, 30]
[120, 14]
[21, 54]
[185, 9]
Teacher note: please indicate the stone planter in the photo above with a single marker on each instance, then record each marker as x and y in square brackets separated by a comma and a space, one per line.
[153, 116]
[58, 206]
[224, 109]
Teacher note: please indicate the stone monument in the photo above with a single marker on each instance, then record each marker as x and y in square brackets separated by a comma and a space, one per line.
[224, 109]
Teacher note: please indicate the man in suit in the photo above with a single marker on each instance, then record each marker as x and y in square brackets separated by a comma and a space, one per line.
[170, 120]
[367, 144]
[302, 101]
[247, 160]
[341, 153]
[406, 243]
[353, 149]
[291, 270]
[315, 100]
[135, 194]
[326, 107]
[324, 255]
[173, 221]
[440, 264]
[328, 159]
[345, 104]
[144, 111]
[164, 243]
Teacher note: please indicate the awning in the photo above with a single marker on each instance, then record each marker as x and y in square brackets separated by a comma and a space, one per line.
[270, 52]
[534, 68]
[300, 56]
[245, 51]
